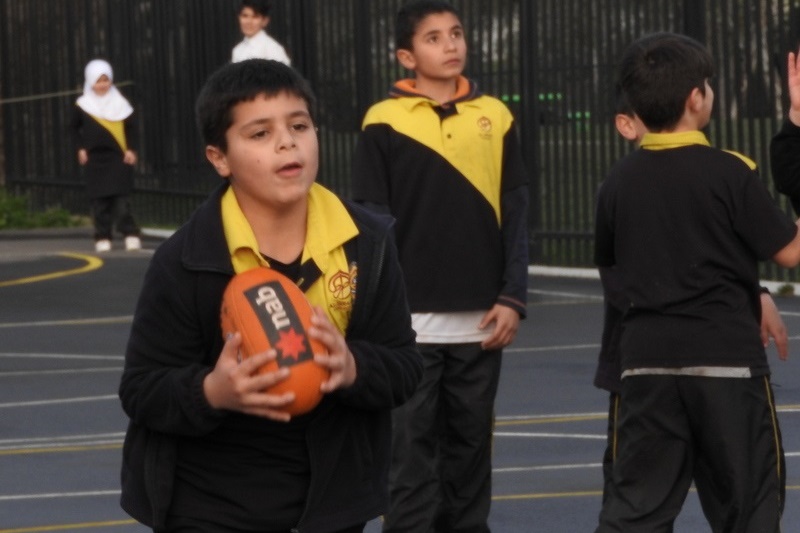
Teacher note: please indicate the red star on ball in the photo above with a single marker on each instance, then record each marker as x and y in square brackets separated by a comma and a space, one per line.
[291, 344]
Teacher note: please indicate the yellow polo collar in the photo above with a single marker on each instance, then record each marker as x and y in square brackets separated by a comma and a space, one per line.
[665, 141]
[329, 226]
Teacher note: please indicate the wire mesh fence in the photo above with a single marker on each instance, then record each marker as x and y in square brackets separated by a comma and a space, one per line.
[552, 61]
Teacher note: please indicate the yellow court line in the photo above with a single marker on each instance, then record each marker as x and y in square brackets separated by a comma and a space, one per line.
[60, 449]
[574, 494]
[789, 408]
[534, 496]
[544, 495]
[72, 322]
[66, 527]
[92, 263]
[529, 421]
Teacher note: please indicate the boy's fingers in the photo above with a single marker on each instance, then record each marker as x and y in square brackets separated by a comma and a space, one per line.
[268, 379]
[230, 349]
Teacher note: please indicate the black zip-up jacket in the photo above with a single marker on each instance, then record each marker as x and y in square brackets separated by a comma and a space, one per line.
[176, 339]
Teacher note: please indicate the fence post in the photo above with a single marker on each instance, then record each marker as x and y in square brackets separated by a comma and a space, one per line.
[694, 19]
[364, 42]
[529, 120]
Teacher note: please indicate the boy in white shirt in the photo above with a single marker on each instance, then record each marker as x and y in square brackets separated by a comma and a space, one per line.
[257, 44]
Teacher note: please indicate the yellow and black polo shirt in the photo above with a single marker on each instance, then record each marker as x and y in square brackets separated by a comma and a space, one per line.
[452, 176]
[685, 224]
[330, 275]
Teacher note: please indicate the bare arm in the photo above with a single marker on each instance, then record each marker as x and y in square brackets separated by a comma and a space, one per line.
[789, 255]
[772, 326]
[793, 85]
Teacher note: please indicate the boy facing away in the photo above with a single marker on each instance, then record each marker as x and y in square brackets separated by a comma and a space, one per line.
[607, 375]
[257, 43]
[207, 447]
[444, 160]
[684, 226]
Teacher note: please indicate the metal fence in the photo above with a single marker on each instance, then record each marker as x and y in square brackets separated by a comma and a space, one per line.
[552, 61]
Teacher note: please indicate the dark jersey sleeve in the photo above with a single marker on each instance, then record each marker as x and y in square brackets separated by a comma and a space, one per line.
[760, 222]
[604, 228]
[370, 178]
[514, 216]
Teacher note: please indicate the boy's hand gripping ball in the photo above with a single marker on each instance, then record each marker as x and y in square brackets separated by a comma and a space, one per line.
[270, 311]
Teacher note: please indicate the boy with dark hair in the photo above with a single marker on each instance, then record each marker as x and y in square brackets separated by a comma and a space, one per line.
[208, 447]
[683, 225]
[607, 375]
[257, 43]
[444, 160]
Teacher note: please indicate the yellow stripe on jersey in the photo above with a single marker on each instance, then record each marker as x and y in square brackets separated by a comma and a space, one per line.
[116, 128]
[749, 162]
[471, 140]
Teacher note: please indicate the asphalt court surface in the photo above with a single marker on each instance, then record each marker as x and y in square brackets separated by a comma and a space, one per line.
[65, 313]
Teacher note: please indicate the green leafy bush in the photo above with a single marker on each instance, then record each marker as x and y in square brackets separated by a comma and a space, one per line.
[15, 213]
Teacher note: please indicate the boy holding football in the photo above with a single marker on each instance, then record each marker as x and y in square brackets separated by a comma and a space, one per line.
[208, 447]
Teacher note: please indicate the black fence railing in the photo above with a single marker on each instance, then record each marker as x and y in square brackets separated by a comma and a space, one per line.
[552, 61]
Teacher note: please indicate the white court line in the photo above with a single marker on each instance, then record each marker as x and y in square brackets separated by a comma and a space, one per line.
[506, 470]
[575, 295]
[549, 435]
[63, 438]
[540, 468]
[576, 347]
[548, 416]
[61, 372]
[18, 448]
[72, 322]
[60, 401]
[20, 355]
[551, 348]
[54, 495]
[511, 418]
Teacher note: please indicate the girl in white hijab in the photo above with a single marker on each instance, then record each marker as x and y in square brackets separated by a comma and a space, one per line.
[102, 132]
[101, 98]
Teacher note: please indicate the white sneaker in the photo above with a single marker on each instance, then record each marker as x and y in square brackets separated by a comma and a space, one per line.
[133, 243]
[103, 245]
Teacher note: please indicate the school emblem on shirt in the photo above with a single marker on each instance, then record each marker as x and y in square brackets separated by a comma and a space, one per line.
[342, 287]
[485, 128]
[343, 284]
[339, 285]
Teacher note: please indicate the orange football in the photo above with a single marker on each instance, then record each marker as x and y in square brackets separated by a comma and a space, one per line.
[270, 311]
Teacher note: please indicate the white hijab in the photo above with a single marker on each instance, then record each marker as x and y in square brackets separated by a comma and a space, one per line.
[112, 105]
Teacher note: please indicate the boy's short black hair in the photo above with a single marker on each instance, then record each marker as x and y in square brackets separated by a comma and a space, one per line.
[622, 106]
[261, 7]
[411, 14]
[658, 73]
[243, 82]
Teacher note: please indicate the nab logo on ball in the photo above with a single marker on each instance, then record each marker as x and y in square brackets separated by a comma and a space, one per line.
[270, 311]
[281, 324]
